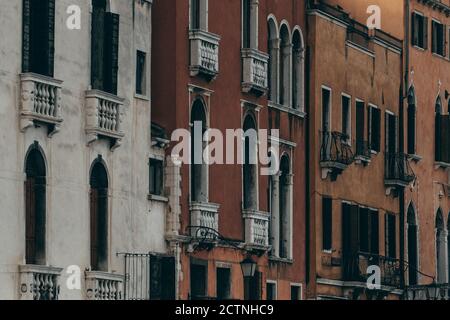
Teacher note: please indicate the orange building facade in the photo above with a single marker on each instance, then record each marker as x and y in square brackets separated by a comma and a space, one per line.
[234, 65]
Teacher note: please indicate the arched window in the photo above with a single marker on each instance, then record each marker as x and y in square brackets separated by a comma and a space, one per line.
[35, 206]
[285, 66]
[99, 216]
[412, 246]
[298, 74]
[411, 121]
[199, 169]
[285, 206]
[38, 36]
[438, 130]
[441, 250]
[274, 57]
[250, 164]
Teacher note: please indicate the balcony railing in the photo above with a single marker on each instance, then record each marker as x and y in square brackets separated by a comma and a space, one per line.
[254, 71]
[204, 216]
[428, 292]
[398, 171]
[256, 229]
[104, 117]
[356, 267]
[40, 102]
[335, 149]
[104, 286]
[204, 54]
[39, 282]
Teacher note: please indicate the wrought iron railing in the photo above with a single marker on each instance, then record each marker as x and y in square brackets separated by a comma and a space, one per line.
[356, 268]
[335, 148]
[362, 149]
[432, 291]
[397, 168]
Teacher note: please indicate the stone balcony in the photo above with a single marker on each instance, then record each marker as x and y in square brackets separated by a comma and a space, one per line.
[204, 54]
[39, 282]
[104, 114]
[254, 71]
[40, 103]
[204, 220]
[104, 286]
[256, 229]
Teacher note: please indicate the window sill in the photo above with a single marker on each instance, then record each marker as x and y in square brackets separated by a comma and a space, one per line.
[437, 55]
[287, 109]
[281, 260]
[141, 97]
[441, 165]
[419, 48]
[363, 160]
[156, 198]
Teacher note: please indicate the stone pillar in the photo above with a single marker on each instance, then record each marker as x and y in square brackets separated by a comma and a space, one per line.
[299, 83]
[254, 24]
[286, 65]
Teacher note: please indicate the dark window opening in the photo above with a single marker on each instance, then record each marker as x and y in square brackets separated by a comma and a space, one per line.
[390, 231]
[223, 284]
[38, 36]
[250, 168]
[346, 118]
[156, 177]
[327, 224]
[360, 127]
[199, 169]
[35, 208]
[374, 129]
[419, 31]
[284, 220]
[253, 287]
[411, 122]
[439, 38]
[162, 278]
[413, 262]
[326, 105]
[296, 293]
[271, 291]
[141, 73]
[195, 14]
[246, 23]
[199, 274]
[104, 48]
[99, 217]
[368, 231]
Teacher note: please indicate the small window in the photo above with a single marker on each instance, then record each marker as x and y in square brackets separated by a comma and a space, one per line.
[141, 73]
[346, 119]
[223, 283]
[368, 231]
[327, 221]
[390, 231]
[326, 110]
[438, 40]
[246, 24]
[195, 14]
[156, 177]
[271, 291]
[361, 144]
[419, 30]
[296, 292]
[374, 128]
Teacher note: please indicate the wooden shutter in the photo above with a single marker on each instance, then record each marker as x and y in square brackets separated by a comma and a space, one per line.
[50, 37]
[97, 48]
[364, 230]
[94, 228]
[390, 236]
[411, 129]
[327, 219]
[359, 127]
[155, 277]
[374, 129]
[374, 233]
[444, 138]
[444, 40]
[412, 254]
[425, 33]
[30, 221]
[26, 35]
[168, 278]
[111, 51]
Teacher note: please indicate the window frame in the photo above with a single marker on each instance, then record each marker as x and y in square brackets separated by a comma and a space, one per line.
[349, 118]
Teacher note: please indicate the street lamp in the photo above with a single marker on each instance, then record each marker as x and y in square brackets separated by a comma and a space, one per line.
[248, 267]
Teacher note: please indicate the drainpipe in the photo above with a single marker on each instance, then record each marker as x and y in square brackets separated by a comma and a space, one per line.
[402, 97]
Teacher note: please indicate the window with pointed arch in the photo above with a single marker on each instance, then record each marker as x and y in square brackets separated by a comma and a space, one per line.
[411, 121]
[412, 244]
[441, 249]
[35, 206]
[250, 174]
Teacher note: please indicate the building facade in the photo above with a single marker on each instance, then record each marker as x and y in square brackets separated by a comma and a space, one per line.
[235, 65]
[75, 148]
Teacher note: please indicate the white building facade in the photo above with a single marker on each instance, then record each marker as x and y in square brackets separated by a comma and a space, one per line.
[76, 153]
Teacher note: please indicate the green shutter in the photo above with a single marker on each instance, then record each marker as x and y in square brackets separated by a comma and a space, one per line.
[111, 52]
[26, 35]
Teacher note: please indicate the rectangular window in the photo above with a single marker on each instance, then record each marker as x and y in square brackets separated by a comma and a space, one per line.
[326, 110]
[439, 38]
[347, 119]
[419, 30]
[368, 231]
[141, 73]
[390, 235]
[374, 128]
[360, 120]
[391, 133]
[296, 292]
[246, 23]
[38, 36]
[271, 291]
[199, 276]
[162, 277]
[327, 220]
[253, 287]
[156, 177]
[195, 14]
[223, 283]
